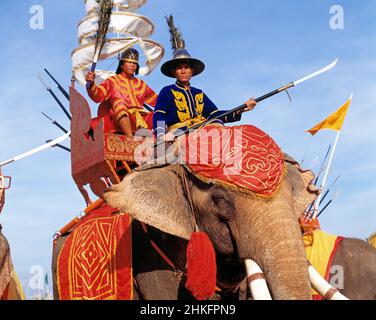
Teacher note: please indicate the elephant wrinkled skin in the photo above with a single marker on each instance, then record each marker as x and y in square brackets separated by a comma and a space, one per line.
[241, 226]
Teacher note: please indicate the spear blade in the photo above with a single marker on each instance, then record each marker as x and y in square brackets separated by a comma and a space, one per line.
[57, 124]
[36, 150]
[55, 97]
[315, 74]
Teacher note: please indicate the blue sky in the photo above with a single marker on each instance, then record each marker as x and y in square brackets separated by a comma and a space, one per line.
[249, 48]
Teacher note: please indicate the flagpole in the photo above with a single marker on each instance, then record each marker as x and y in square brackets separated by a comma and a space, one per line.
[306, 151]
[326, 175]
[47, 287]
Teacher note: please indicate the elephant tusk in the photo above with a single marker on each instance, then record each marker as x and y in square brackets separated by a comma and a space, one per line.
[323, 287]
[256, 281]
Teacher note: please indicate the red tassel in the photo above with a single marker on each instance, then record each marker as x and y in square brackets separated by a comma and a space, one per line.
[201, 267]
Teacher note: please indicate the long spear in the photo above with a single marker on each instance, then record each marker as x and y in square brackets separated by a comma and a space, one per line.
[62, 90]
[310, 212]
[36, 150]
[57, 124]
[259, 99]
[59, 146]
[66, 94]
[104, 20]
[328, 204]
[327, 191]
[322, 167]
[55, 97]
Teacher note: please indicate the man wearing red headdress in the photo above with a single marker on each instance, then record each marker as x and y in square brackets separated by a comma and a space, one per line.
[126, 95]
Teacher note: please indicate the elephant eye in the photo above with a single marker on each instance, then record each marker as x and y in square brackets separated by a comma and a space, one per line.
[219, 200]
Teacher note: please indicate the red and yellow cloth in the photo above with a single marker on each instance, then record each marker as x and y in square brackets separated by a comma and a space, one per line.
[95, 262]
[320, 248]
[241, 157]
[372, 240]
[10, 284]
[126, 97]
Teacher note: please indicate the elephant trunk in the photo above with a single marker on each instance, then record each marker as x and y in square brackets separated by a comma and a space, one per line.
[276, 245]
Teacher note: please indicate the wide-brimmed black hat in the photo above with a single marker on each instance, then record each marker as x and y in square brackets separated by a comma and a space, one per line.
[181, 55]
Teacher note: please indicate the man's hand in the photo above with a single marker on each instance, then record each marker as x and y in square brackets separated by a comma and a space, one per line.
[251, 104]
[168, 137]
[90, 77]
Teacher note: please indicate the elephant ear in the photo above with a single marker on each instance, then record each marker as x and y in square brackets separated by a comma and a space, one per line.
[154, 196]
[303, 191]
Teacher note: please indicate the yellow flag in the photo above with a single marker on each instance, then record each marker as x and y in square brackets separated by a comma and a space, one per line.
[372, 240]
[334, 121]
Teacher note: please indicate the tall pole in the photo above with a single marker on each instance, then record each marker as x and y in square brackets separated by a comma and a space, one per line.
[306, 151]
[325, 176]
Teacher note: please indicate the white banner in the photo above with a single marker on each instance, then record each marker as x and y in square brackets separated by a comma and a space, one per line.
[82, 57]
[122, 23]
[93, 5]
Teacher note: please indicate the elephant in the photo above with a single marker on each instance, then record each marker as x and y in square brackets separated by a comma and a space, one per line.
[153, 277]
[152, 193]
[241, 226]
[357, 260]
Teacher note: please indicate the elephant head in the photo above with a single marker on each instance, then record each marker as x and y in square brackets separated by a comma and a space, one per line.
[241, 220]
[240, 225]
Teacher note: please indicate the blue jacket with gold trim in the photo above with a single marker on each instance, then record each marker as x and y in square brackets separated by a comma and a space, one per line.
[182, 108]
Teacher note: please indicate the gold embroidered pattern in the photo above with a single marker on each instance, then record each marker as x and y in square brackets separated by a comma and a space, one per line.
[114, 143]
[125, 88]
[138, 89]
[117, 102]
[135, 88]
[131, 95]
[199, 103]
[181, 105]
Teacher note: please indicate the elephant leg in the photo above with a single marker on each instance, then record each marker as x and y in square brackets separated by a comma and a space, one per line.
[159, 285]
[155, 279]
[353, 270]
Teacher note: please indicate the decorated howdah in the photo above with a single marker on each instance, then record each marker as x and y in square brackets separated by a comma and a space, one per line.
[96, 149]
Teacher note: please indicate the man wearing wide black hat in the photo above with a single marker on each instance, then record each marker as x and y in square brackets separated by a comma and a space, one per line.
[180, 106]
